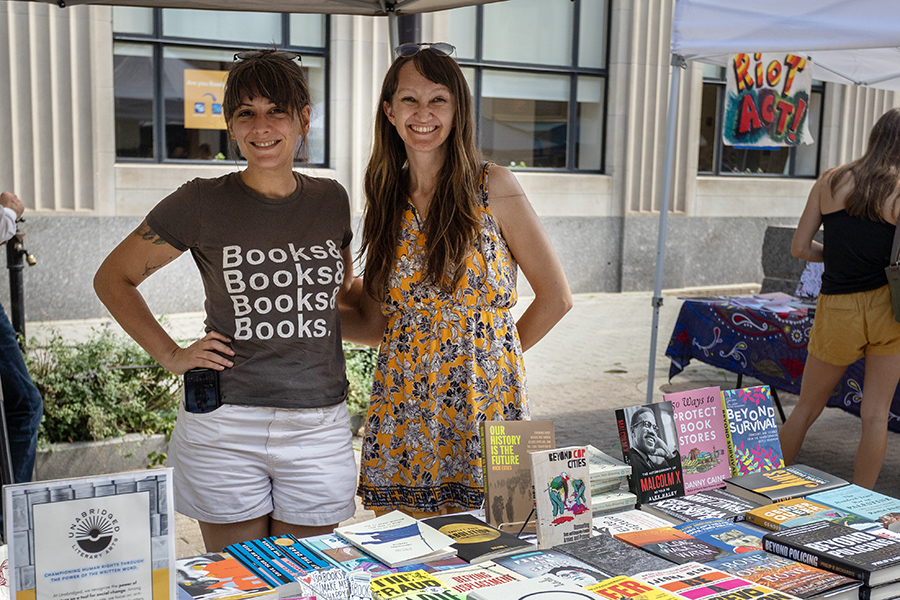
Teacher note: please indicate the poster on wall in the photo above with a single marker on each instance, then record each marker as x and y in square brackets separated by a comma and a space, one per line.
[204, 91]
[108, 537]
[767, 100]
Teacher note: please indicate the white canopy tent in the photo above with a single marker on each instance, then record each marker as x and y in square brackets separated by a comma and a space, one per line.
[849, 41]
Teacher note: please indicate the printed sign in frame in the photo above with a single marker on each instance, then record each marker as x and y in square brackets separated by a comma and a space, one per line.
[108, 537]
[767, 100]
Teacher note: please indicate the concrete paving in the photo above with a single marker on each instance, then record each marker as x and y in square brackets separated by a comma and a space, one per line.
[596, 360]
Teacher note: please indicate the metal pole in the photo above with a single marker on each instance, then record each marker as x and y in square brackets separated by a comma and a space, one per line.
[15, 264]
[678, 63]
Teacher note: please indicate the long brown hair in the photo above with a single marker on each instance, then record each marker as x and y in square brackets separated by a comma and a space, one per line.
[452, 224]
[877, 173]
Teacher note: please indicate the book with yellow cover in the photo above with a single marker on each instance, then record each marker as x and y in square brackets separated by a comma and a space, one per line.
[797, 511]
[628, 588]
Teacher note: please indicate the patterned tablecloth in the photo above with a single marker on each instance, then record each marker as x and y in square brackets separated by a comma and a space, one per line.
[763, 337]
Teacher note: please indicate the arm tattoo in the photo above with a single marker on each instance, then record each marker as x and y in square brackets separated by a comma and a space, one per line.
[147, 233]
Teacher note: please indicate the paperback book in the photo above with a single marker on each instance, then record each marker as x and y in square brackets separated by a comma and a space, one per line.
[604, 467]
[409, 586]
[707, 504]
[546, 586]
[508, 488]
[780, 484]
[673, 545]
[622, 587]
[866, 503]
[735, 538]
[628, 520]
[752, 431]
[466, 579]
[613, 556]
[650, 446]
[872, 559]
[397, 539]
[544, 562]
[348, 557]
[278, 560]
[474, 540]
[702, 582]
[701, 438]
[217, 575]
[797, 511]
[790, 576]
[612, 502]
[562, 504]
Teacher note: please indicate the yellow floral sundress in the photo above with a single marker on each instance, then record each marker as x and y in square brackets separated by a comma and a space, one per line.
[447, 362]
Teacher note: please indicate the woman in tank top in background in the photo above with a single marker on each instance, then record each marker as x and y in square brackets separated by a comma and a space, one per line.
[858, 205]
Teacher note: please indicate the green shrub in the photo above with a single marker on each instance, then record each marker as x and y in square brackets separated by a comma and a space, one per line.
[101, 388]
[360, 371]
[108, 386]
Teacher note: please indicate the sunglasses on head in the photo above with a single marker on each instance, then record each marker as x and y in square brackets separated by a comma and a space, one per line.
[413, 48]
[250, 54]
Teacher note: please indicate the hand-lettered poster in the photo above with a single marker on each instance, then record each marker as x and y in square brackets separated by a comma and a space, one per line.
[767, 101]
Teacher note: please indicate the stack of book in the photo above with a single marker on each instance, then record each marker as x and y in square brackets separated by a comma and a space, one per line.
[607, 478]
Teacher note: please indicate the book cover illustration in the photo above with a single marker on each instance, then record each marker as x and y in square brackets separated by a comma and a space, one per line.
[797, 511]
[613, 556]
[702, 582]
[752, 430]
[278, 560]
[734, 537]
[650, 446]
[475, 540]
[397, 539]
[784, 574]
[702, 442]
[795, 481]
[708, 504]
[628, 520]
[465, 579]
[673, 545]
[862, 555]
[866, 503]
[342, 554]
[218, 575]
[508, 489]
[628, 588]
[562, 506]
[552, 562]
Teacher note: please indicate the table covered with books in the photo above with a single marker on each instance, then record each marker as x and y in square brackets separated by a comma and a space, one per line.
[764, 337]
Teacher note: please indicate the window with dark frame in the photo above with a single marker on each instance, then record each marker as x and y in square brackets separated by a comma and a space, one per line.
[715, 158]
[539, 105]
[152, 49]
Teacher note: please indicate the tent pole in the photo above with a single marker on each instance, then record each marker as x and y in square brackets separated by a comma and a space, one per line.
[678, 63]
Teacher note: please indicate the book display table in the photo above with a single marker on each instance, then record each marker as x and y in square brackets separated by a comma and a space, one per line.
[763, 337]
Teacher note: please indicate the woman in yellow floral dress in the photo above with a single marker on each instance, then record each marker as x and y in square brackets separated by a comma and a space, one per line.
[443, 233]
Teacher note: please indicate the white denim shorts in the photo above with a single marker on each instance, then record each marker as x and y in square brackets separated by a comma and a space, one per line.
[239, 463]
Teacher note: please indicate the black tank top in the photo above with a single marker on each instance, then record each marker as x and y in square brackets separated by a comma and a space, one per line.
[856, 251]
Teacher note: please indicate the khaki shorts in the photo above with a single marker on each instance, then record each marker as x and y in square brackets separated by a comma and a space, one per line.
[850, 326]
[242, 462]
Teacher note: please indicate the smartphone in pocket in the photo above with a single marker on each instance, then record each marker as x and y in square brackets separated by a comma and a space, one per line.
[201, 391]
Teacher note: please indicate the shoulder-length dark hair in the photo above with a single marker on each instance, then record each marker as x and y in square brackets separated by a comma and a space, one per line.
[268, 74]
[453, 220]
[877, 173]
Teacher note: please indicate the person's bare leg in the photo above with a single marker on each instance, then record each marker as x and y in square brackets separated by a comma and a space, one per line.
[218, 535]
[879, 385]
[299, 531]
[819, 380]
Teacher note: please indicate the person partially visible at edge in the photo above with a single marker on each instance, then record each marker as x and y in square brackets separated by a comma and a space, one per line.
[273, 249]
[858, 205]
[443, 234]
[22, 401]
[649, 451]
